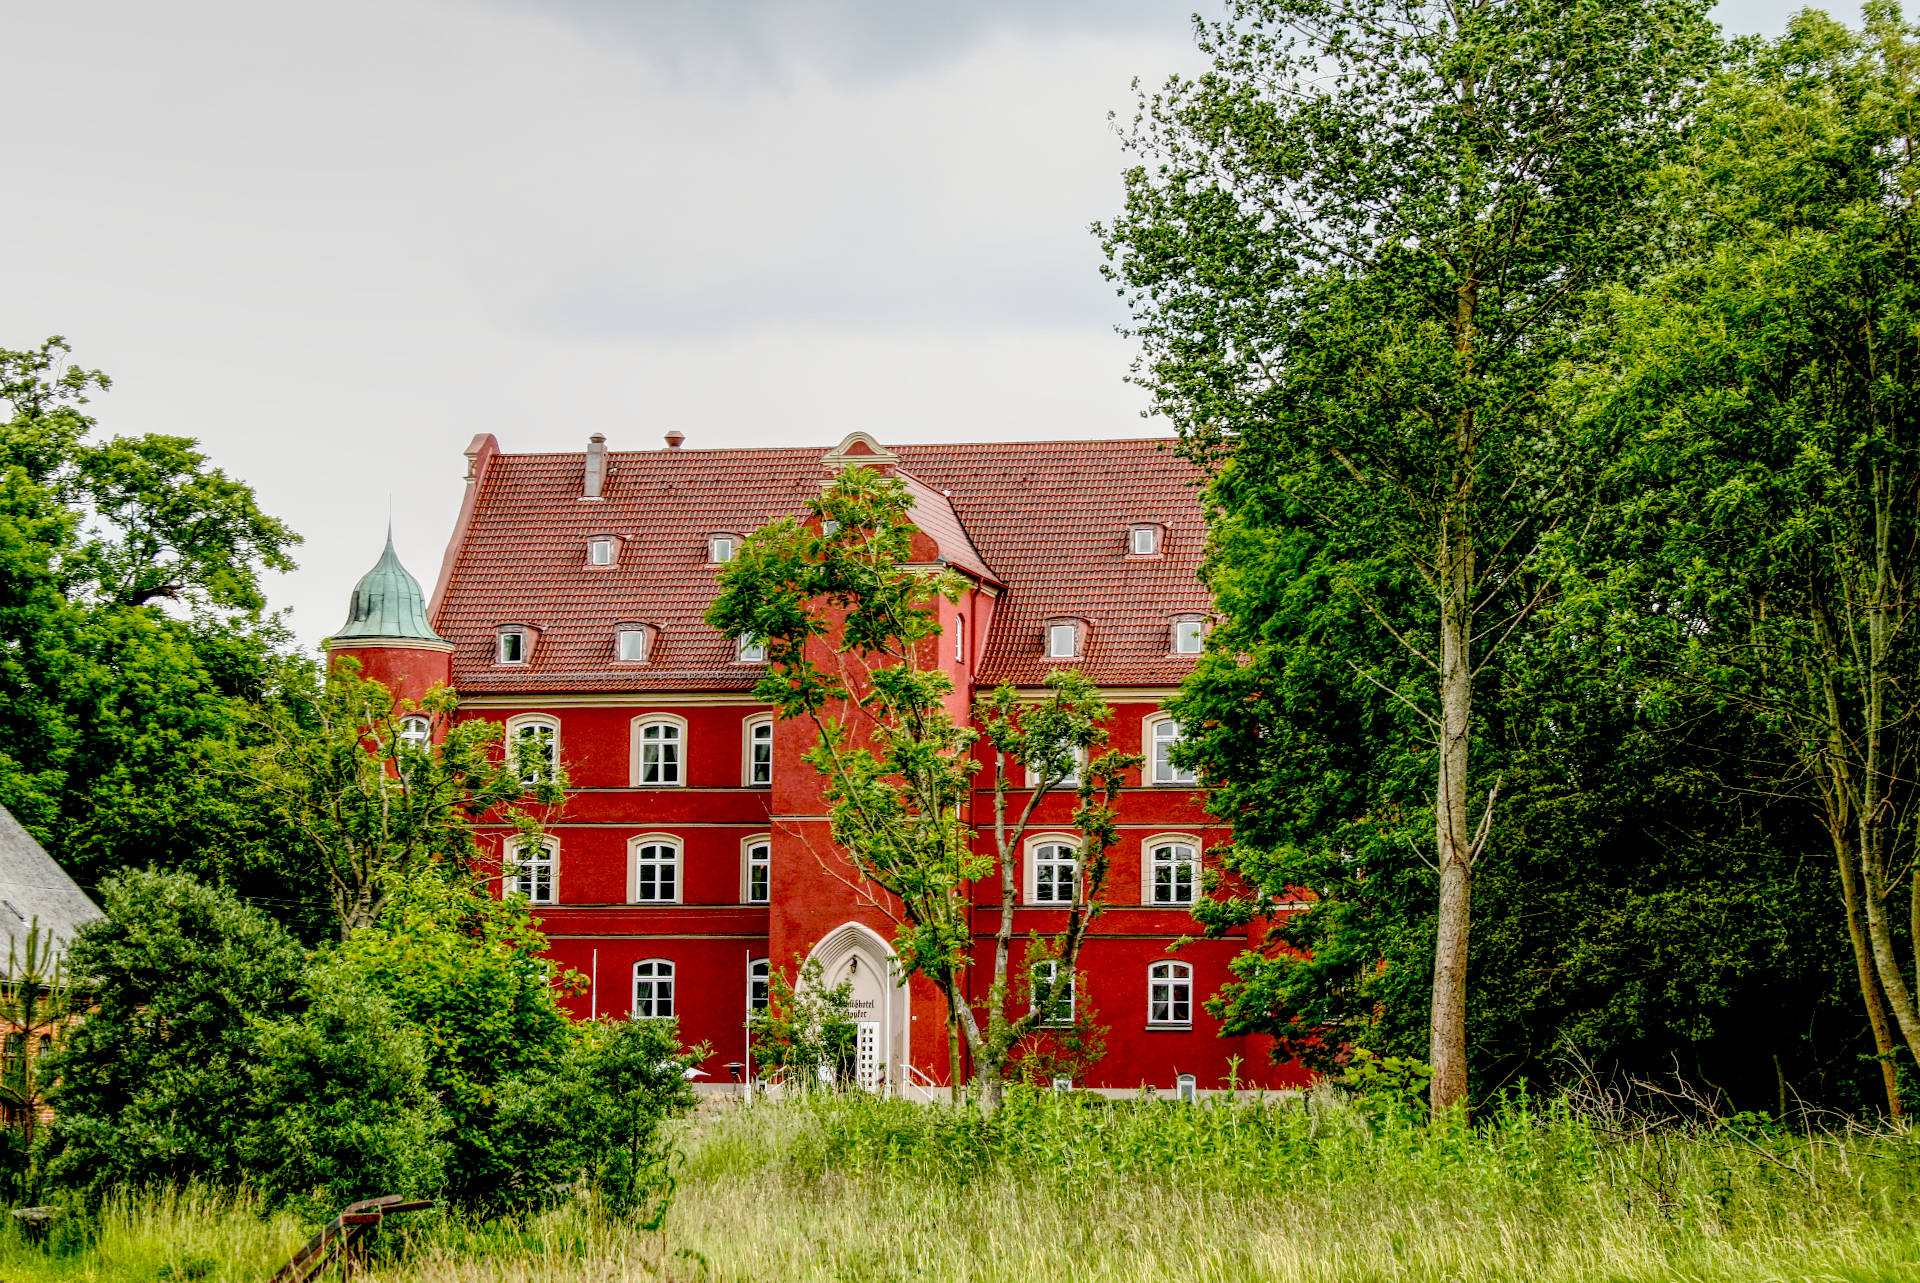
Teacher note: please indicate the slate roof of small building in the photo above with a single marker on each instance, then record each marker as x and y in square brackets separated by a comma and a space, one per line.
[33, 886]
[1047, 520]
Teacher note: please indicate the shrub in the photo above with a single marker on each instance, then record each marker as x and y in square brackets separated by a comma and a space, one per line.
[154, 1085]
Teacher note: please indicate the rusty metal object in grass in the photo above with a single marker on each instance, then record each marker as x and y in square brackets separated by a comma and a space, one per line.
[335, 1236]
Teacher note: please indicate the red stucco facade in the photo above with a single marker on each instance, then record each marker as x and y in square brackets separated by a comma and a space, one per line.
[516, 564]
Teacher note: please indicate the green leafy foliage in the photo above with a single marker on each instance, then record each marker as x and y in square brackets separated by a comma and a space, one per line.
[366, 807]
[155, 1084]
[130, 630]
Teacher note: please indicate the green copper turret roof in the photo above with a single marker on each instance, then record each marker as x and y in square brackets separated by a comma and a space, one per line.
[387, 603]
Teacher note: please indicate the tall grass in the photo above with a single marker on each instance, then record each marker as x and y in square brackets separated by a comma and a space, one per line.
[1058, 1188]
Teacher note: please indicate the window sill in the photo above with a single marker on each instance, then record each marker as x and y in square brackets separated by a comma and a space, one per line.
[1169, 1029]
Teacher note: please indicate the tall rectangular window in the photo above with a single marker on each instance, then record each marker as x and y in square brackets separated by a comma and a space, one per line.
[1060, 1010]
[1056, 867]
[760, 753]
[1165, 734]
[759, 873]
[757, 990]
[1175, 872]
[959, 639]
[652, 990]
[1170, 994]
[531, 871]
[656, 873]
[660, 753]
[513, 648]
[535, 747]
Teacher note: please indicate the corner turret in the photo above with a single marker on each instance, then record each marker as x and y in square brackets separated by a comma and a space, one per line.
[388, 633]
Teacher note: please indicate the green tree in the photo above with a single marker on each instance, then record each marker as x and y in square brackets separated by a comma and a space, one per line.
[1757, 396]
[130, 629]
[369, 807]
[339, 1107]
[469, 973]
[1355, 249]
[154, 1085]
[806, 1031]
[38, 1005]
[839, 586]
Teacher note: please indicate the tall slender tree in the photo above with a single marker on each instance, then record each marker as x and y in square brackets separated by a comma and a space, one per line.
[1354, 250]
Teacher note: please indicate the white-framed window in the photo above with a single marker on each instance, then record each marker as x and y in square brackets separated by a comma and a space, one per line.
[1189, 636]
[1062, 1085]
[416, 732]
[1054, 864]
[1162, 733]
[756, 752]
[632, 644]
[654, 869]
[600, 551]
[959, 639]
[1063, 641]
[530, 869]
[510, 646]
[1076, 763]
[1144, 541]
[652, 989]
[759, 994]
[533, 746]
[1187, 1088]
[1060, 1011]
[756, 870]
[750, 650]
[720, 549]
[1170, 994]
[659, 751]
[1171, 870]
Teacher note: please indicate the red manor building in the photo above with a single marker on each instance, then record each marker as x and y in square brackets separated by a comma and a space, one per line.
[692, 852]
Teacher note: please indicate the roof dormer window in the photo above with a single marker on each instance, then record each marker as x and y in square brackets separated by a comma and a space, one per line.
[1189, 635]
[1145, 539]
[720, 549]
[600, 550]
[511, 646]
[751, 650]
[632, 642]
[1063, 639]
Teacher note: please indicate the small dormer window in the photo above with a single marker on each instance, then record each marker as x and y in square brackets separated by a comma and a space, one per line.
[631, 645]
[600, 552]
[1188, 636]
[751, 650]
[1146, 541]
[512, 646]
[720, 549]
[1063, 640]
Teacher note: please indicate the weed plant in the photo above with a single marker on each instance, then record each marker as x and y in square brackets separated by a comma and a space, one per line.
[1075, 1188]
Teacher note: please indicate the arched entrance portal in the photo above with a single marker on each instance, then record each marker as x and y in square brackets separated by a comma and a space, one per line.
[857, 955]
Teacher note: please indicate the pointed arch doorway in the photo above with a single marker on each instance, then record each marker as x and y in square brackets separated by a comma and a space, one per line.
[856, 955]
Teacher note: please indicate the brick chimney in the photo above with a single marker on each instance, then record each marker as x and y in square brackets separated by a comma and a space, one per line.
[596, 477]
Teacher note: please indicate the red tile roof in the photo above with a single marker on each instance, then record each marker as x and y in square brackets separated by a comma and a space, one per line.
[1047, 519]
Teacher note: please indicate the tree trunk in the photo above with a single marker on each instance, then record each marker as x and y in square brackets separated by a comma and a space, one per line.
[1453, 842]
[1863, 972]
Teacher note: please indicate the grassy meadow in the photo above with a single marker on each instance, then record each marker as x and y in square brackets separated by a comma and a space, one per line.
[1057, 1188]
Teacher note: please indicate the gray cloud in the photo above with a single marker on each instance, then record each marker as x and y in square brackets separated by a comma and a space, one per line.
[848, 40]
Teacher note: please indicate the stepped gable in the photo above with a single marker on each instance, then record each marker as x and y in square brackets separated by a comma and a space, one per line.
[1045, 521]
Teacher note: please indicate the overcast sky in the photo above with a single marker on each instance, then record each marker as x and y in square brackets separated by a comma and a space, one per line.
[333, 241]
